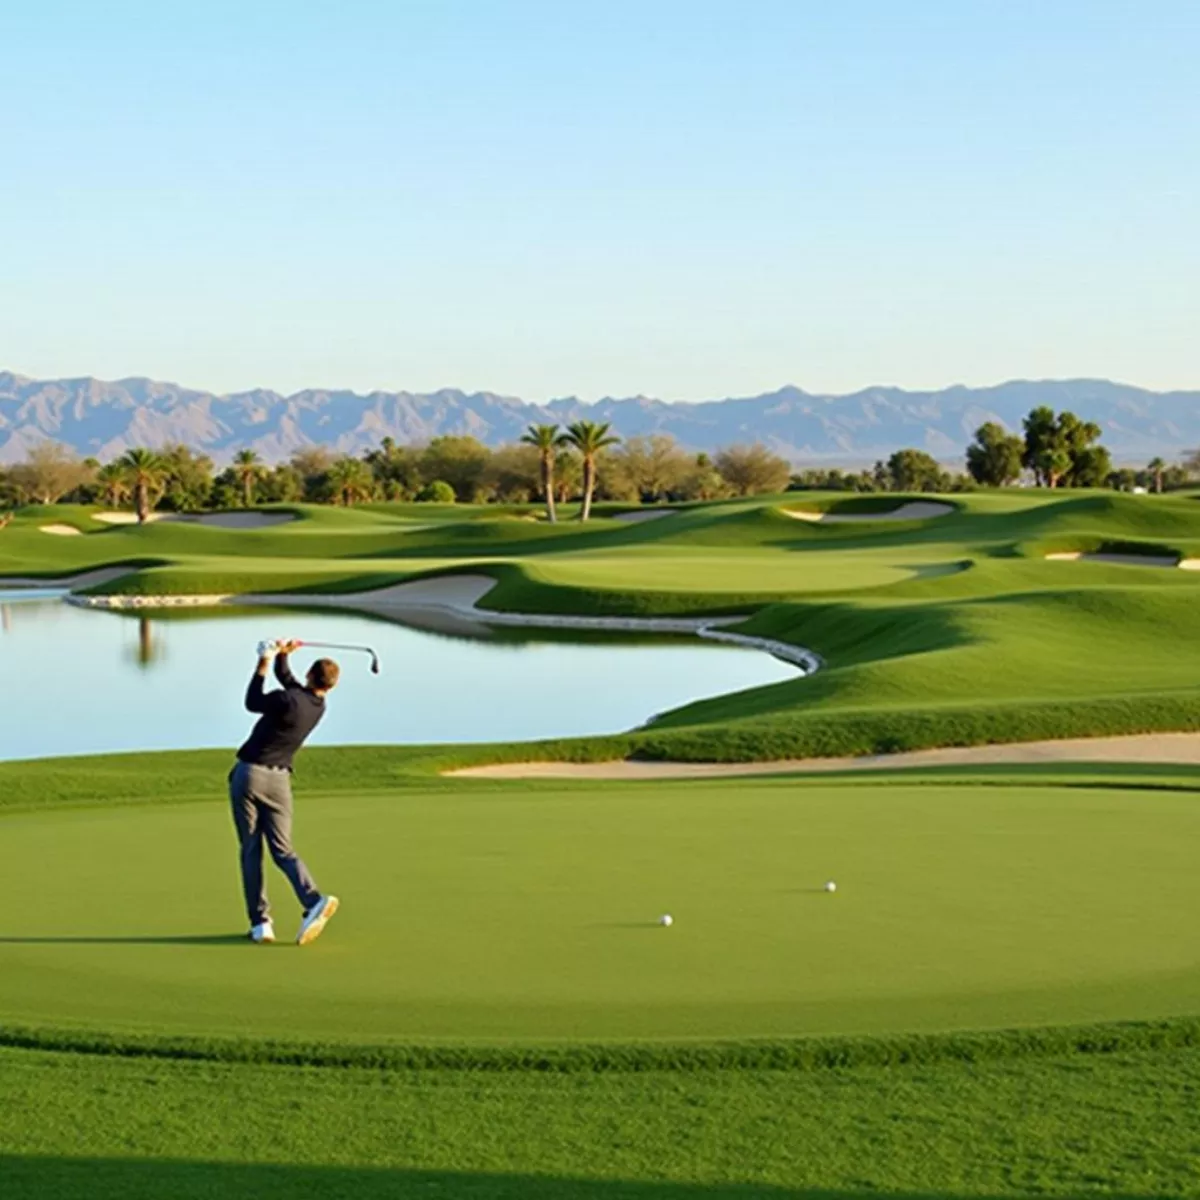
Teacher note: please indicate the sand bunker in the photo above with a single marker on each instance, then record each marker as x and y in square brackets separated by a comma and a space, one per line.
[60, 530]
[1181, 748]
[915, 510]
[1127, 560]
[83, 579]
[649, 514]
[243, 520]
[227, 520]
[446, 591]
[124, 518]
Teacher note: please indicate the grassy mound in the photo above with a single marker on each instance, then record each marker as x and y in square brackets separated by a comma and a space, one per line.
[937, 632]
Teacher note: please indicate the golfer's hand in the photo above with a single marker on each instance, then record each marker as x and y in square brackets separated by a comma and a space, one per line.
[267, 650]
[288, 647]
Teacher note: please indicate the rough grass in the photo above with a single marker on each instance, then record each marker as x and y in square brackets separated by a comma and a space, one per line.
[1119, 1124]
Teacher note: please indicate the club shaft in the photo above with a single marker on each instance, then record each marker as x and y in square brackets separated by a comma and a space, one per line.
[339, 646]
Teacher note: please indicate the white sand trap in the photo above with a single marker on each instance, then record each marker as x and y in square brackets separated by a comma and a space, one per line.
[128, 518]
[461, 592]
[914, 510]
[243, 520]
[84, 579]
[650, 514]
[1124, 560]
[227, 520]
[1179, 748]
[60, 530]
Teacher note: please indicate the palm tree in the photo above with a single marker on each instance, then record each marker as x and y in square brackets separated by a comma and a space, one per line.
[546, 439]
[589, 438]
[144, 472]
[351, 480]
[114, 484]
[1156, 467]
[247, 466]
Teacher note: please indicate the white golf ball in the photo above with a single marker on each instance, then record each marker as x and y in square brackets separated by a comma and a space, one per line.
[666, 919]
[831, 886]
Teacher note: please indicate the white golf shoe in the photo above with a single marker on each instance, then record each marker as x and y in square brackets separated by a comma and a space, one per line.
[263, 933]
[315, 919]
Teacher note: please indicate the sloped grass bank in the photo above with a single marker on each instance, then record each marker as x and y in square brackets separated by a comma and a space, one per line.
[867, 732]
[948, 631]
[109, 1129]
[809, 1054]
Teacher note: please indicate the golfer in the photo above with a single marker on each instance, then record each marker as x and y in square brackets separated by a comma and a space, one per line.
[260, 787]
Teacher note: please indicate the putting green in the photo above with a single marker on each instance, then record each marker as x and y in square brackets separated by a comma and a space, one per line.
[504, 912]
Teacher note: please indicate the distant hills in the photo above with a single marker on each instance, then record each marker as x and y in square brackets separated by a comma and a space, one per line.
[105, 418]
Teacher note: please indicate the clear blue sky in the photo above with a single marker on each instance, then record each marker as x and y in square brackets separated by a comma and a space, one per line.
[673, 197]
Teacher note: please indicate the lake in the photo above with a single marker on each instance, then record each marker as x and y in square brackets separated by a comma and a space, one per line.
[83, 681]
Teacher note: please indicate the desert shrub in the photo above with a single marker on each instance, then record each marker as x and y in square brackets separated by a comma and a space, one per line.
[437, 491]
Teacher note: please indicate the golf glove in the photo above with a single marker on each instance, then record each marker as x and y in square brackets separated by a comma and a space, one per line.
[267, 649]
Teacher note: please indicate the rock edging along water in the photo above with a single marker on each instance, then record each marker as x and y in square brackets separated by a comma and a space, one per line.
[459, 595]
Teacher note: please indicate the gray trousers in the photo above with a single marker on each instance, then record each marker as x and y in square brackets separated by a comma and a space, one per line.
[262, 812]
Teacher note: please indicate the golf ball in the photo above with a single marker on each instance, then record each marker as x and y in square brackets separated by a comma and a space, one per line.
[831, 886]
[666, 919]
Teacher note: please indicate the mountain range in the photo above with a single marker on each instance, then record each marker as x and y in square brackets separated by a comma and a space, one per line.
[103, 419]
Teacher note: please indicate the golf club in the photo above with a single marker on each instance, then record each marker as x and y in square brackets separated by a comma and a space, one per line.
[263, 647]
[343, 646]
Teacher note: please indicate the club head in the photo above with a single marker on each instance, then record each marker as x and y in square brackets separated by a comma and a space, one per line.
[374, 664]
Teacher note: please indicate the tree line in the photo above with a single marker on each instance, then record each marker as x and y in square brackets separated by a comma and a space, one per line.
[1054, 450]
[1062, 450]
[581, 463]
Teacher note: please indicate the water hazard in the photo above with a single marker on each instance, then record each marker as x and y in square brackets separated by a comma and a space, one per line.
[81, 681]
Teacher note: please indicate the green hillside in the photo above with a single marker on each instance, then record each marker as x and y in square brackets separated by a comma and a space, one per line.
[951, 629]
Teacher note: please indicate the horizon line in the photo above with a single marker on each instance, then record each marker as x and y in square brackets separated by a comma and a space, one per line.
[608, 398]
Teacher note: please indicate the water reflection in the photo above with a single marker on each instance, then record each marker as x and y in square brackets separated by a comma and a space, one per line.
[149, 648]
[180, 678]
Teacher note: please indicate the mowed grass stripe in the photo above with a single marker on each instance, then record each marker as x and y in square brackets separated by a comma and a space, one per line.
[1118, 1124]
[494, 915]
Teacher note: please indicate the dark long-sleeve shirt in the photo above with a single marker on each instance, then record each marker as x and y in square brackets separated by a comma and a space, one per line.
[289, 715]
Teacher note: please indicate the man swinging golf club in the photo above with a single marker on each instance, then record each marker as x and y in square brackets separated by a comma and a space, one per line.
[260, 787]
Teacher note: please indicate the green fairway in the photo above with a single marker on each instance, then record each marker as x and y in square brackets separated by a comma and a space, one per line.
[953, 629]
[1000, 999]
[498, 912]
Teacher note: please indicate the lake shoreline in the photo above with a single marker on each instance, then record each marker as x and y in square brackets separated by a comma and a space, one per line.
[459, 596]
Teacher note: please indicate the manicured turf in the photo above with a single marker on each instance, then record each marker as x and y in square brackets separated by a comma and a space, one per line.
[947, 630]
[508, 931]
[74, 1126]
[501, 912]
[483, 910]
